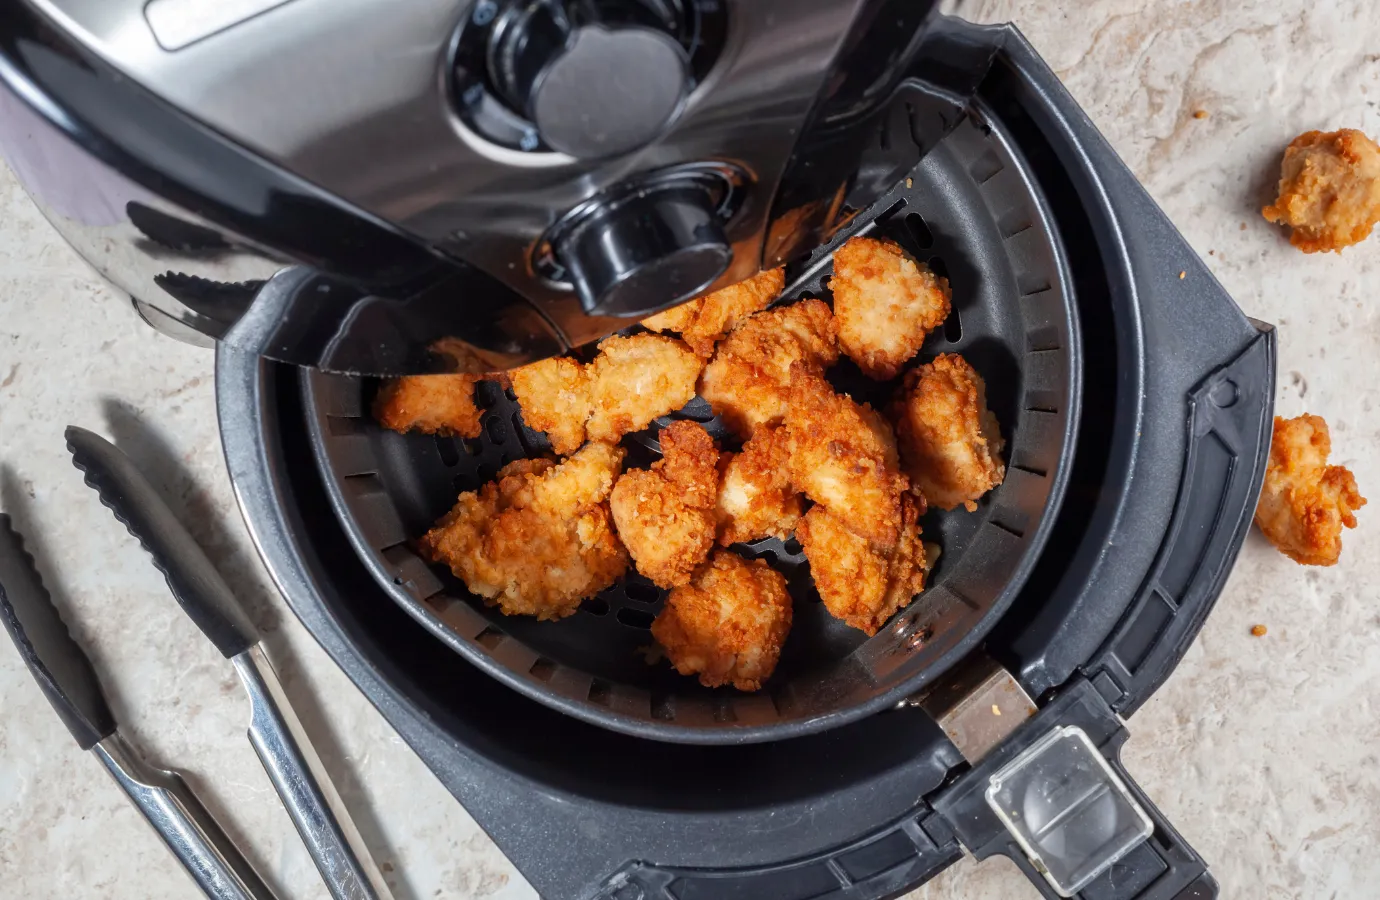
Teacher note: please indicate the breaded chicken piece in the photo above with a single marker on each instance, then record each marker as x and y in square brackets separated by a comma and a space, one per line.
[748, 382]
[728, 624]
[843, 455]
[1305, 502]
[665, 514]
[554, 397]
[756, 499]
[885, 304]
[950, 441]
[431, 404]
[1329, 190]
[538, 539]
[858, 583]
[637, 379]
[704, 322]
[632, 381]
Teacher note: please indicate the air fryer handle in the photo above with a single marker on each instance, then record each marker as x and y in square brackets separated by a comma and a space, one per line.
[1163, 867]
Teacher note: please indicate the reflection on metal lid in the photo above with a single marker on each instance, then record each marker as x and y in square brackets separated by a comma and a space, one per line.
[177, 23]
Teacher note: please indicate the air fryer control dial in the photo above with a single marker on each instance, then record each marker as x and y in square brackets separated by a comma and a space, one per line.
[593, 88]
[589, 78]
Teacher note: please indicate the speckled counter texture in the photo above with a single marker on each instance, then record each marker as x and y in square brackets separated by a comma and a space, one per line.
[1262, 750]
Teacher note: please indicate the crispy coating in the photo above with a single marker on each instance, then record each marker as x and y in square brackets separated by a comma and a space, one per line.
[636, 379]
[728, 624]
[538, 539]
[665, 514]
[432, 404]
[1305, 502]
[705, 321]
[756, 499]
[632, 381]
[858, 583]
[748, 382]
[950, 441]
[885, 304]
[554, 396]
[1329, 190]
[843, 455]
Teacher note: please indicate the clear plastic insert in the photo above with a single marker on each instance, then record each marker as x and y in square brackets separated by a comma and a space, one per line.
[1067, 809]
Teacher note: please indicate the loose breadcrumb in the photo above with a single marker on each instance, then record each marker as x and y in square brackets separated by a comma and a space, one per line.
[1259, 631]
[1329, 190]
[728, 624]
[1305, 503]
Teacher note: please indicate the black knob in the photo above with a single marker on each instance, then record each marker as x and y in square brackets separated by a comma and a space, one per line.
[645, 251]
[594, 89]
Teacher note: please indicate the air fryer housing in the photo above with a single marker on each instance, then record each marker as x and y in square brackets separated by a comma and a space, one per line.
[1169, 455]
[507, 176]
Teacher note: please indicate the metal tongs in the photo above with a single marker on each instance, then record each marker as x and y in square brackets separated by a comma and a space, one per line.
[66, 675]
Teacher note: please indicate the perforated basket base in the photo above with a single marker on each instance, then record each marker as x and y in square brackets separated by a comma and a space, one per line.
[971, 209]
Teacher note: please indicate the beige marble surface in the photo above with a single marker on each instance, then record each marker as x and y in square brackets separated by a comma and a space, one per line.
[1262, 750]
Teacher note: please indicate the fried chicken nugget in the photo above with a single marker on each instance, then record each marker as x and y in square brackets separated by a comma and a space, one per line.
[554, 397]
[885, 303]
[665, 514]
[538, 539]
[756, 499]
[728, 624]
[1305, 502]
[704, 322]
[748, 382]
[950, 441]
[1329, 190]
[431, 404]
[843, 456]
[637, 379]
[632, 381]
[858, 583]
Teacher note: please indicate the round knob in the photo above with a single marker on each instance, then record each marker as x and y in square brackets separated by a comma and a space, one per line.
[593, 90]
[644, 252]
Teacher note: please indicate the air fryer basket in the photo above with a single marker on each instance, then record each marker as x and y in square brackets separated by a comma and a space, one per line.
[970, 208]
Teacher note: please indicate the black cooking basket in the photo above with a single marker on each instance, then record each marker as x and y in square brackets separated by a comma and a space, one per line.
[971, 209]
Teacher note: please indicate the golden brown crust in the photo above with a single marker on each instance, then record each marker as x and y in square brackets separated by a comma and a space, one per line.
[728, 624]
[756, 499]
[431, 404]
[885, 304]
[637, 379]
[951, 443]
[1329, 190]
[538, 539]
[748, 382]
[665, 515]
[843, 455]
[1305, 503]
[858, 583]
[704, 322]
[554, 397]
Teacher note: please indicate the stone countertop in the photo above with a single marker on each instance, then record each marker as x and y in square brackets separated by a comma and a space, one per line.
[1261, 750]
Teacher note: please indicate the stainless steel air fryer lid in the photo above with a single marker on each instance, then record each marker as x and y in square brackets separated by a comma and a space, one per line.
[442, 165]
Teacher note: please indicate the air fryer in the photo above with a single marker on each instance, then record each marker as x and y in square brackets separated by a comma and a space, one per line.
[323, 245]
